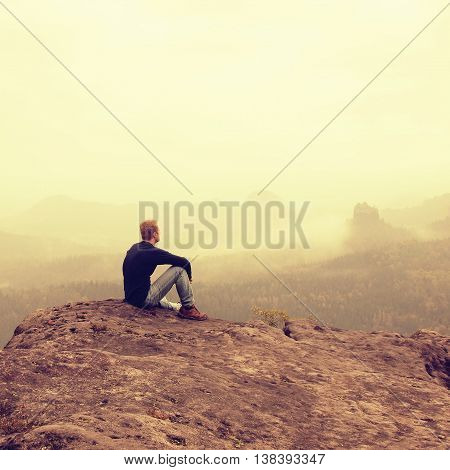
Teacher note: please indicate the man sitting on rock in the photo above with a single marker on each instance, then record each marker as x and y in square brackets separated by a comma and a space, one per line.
[140, 263]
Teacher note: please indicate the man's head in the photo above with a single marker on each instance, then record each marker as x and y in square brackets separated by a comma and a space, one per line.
[150, 231]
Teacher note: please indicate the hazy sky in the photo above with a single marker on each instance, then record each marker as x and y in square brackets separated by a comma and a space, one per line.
[224, 93]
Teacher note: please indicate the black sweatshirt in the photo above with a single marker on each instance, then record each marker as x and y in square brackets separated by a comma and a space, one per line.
[140, 263]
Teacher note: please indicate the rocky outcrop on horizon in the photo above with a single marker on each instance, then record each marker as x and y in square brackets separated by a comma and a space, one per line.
[367, 230]
[106, 375]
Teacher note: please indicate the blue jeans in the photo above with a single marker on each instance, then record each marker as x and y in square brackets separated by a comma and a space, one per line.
[159, 289]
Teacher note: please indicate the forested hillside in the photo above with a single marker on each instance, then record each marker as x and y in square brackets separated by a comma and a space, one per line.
[402, 287]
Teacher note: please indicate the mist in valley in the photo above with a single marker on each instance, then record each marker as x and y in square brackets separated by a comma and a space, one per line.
[211, 118]
[364, 271]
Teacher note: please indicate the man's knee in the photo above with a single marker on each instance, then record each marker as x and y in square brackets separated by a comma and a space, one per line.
[178, 271]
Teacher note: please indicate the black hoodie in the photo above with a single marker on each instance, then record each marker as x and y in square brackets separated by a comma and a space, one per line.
[139, 264]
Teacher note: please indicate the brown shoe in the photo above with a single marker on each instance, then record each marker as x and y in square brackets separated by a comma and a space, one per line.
[192, 313]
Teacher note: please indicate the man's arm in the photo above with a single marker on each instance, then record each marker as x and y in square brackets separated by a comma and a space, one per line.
[164, 257]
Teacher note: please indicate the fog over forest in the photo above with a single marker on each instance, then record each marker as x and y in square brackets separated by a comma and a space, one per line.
[200, 105]
[377, 269]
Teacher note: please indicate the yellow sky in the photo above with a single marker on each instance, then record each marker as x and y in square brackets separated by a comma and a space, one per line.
[224, 93]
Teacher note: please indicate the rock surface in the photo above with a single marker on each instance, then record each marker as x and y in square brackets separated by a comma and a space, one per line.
[105, 375]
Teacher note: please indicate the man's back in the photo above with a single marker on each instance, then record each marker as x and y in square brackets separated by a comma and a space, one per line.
[139, 264]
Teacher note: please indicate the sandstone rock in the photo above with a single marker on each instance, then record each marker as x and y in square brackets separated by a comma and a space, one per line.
[105, 375]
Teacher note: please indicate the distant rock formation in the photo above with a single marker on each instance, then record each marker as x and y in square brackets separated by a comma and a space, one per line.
[105, 375]
[366, 230]
[365, 214]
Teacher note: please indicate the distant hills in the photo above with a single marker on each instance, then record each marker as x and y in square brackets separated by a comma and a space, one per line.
[32, 247]
[81, 222]
[422, 216]
[66, 224]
